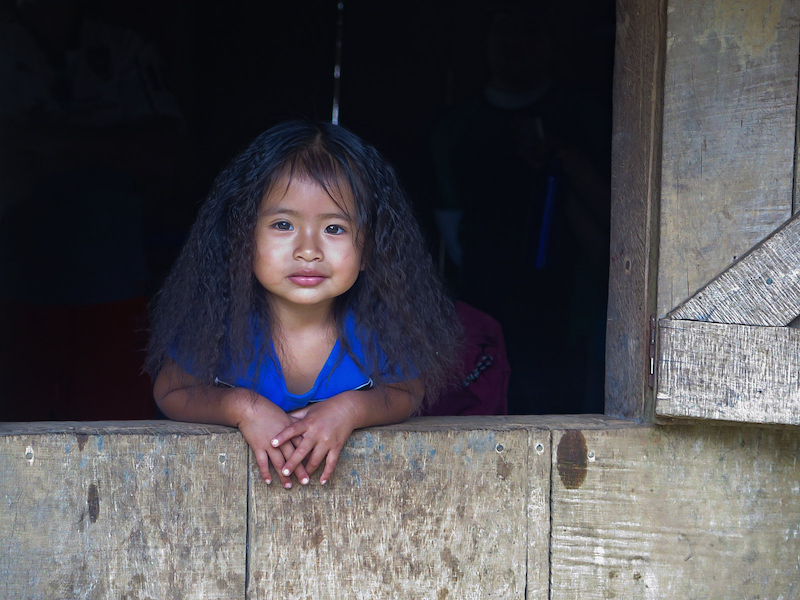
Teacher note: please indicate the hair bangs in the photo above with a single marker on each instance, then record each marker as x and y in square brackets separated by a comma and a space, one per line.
[333, 167]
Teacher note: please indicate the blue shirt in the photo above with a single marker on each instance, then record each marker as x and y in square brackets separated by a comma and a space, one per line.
[339, 374]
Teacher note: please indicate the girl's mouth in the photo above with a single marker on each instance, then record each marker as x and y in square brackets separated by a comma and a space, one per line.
[307, 278]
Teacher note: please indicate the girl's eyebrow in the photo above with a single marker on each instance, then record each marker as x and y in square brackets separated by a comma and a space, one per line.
[295, 213]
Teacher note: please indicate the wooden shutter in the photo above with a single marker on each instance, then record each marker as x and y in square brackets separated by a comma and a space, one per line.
[718, 198]
[727, 353]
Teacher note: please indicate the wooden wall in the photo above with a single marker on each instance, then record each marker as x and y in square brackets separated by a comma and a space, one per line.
[729, 169]
[730, 122]
[128, 510]
[524, 508]
[635, 189]
[705, 168]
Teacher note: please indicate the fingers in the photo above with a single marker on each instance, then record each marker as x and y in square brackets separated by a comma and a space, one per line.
[315, 459]
[293, 431]
[262, 459]
[330, 465]
[277, 459]
[295, 460]
[302, 441]
[302, 474]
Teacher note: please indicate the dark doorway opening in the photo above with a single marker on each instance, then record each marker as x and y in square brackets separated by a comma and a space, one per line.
[483, 107]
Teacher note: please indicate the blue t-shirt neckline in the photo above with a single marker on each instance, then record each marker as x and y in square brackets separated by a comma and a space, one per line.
[327, 368]
[343, 371]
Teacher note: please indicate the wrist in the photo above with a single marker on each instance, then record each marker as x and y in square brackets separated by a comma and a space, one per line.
[242, 404]
[354, 407]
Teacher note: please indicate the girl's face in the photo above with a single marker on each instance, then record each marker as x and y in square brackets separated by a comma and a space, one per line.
[306, 249]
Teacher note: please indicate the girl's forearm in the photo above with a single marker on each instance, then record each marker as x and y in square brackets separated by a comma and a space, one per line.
[325, 426]
[392, 403]
[182, 398]
[204, 404]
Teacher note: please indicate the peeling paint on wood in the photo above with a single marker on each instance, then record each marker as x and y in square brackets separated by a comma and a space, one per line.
[408, 515]
[680, 512]
[729, 372]
[730, 112]
[418, 510]
[121, 514]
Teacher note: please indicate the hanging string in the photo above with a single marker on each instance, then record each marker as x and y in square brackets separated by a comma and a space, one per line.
[337, 68]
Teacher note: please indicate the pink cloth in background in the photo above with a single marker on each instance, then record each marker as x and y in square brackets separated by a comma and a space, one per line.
[487, 392]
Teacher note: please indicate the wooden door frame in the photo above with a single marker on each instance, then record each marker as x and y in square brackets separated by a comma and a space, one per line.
[635, 193]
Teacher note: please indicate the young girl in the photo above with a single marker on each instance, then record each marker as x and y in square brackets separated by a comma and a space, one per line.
[303, 305]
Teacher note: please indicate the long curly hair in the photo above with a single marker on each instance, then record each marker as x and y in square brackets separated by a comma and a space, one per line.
[205, 314]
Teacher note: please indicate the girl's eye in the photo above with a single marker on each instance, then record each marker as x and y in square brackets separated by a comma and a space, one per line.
[283, 226]
[334, 229]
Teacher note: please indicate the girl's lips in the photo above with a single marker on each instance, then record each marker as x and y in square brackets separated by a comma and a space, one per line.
[309, 279]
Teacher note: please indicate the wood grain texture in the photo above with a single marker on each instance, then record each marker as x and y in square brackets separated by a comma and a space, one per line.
[154, 427]
[730, 111]
[116, 514]
[507, 423]
[501, 508]
[762, 288]
[635, 188]
[537, 538]
[679, 512]
[423, 514]
[729, 372]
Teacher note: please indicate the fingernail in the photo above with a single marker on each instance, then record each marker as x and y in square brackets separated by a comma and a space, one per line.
[323, 481]
[287, 485]
[304, 481]
[287, 472]
[274, 443]
[268, 481]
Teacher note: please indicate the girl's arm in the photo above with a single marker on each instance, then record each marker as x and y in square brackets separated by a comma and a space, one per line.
[183, 398]
[325, 426]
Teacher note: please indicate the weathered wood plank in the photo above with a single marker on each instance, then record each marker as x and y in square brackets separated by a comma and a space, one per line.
[676, 512]
[635, 188]
[507, 423]
[729, 372]
[112, 428]
[729, 126]
[112, 515]
[420, 514]
[537, 539]
[418, 510]
[762, 288]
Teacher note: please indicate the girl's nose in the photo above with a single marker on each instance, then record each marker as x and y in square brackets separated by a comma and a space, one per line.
[308, 247]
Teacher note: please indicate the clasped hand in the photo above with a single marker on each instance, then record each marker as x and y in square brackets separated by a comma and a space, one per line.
[299, 441]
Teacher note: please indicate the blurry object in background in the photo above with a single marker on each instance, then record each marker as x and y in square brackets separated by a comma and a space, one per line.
[522, 204]
[74, 363]
[84, 113]
[483, 389]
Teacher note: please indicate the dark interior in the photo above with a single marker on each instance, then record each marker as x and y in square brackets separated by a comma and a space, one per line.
[413, 83]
